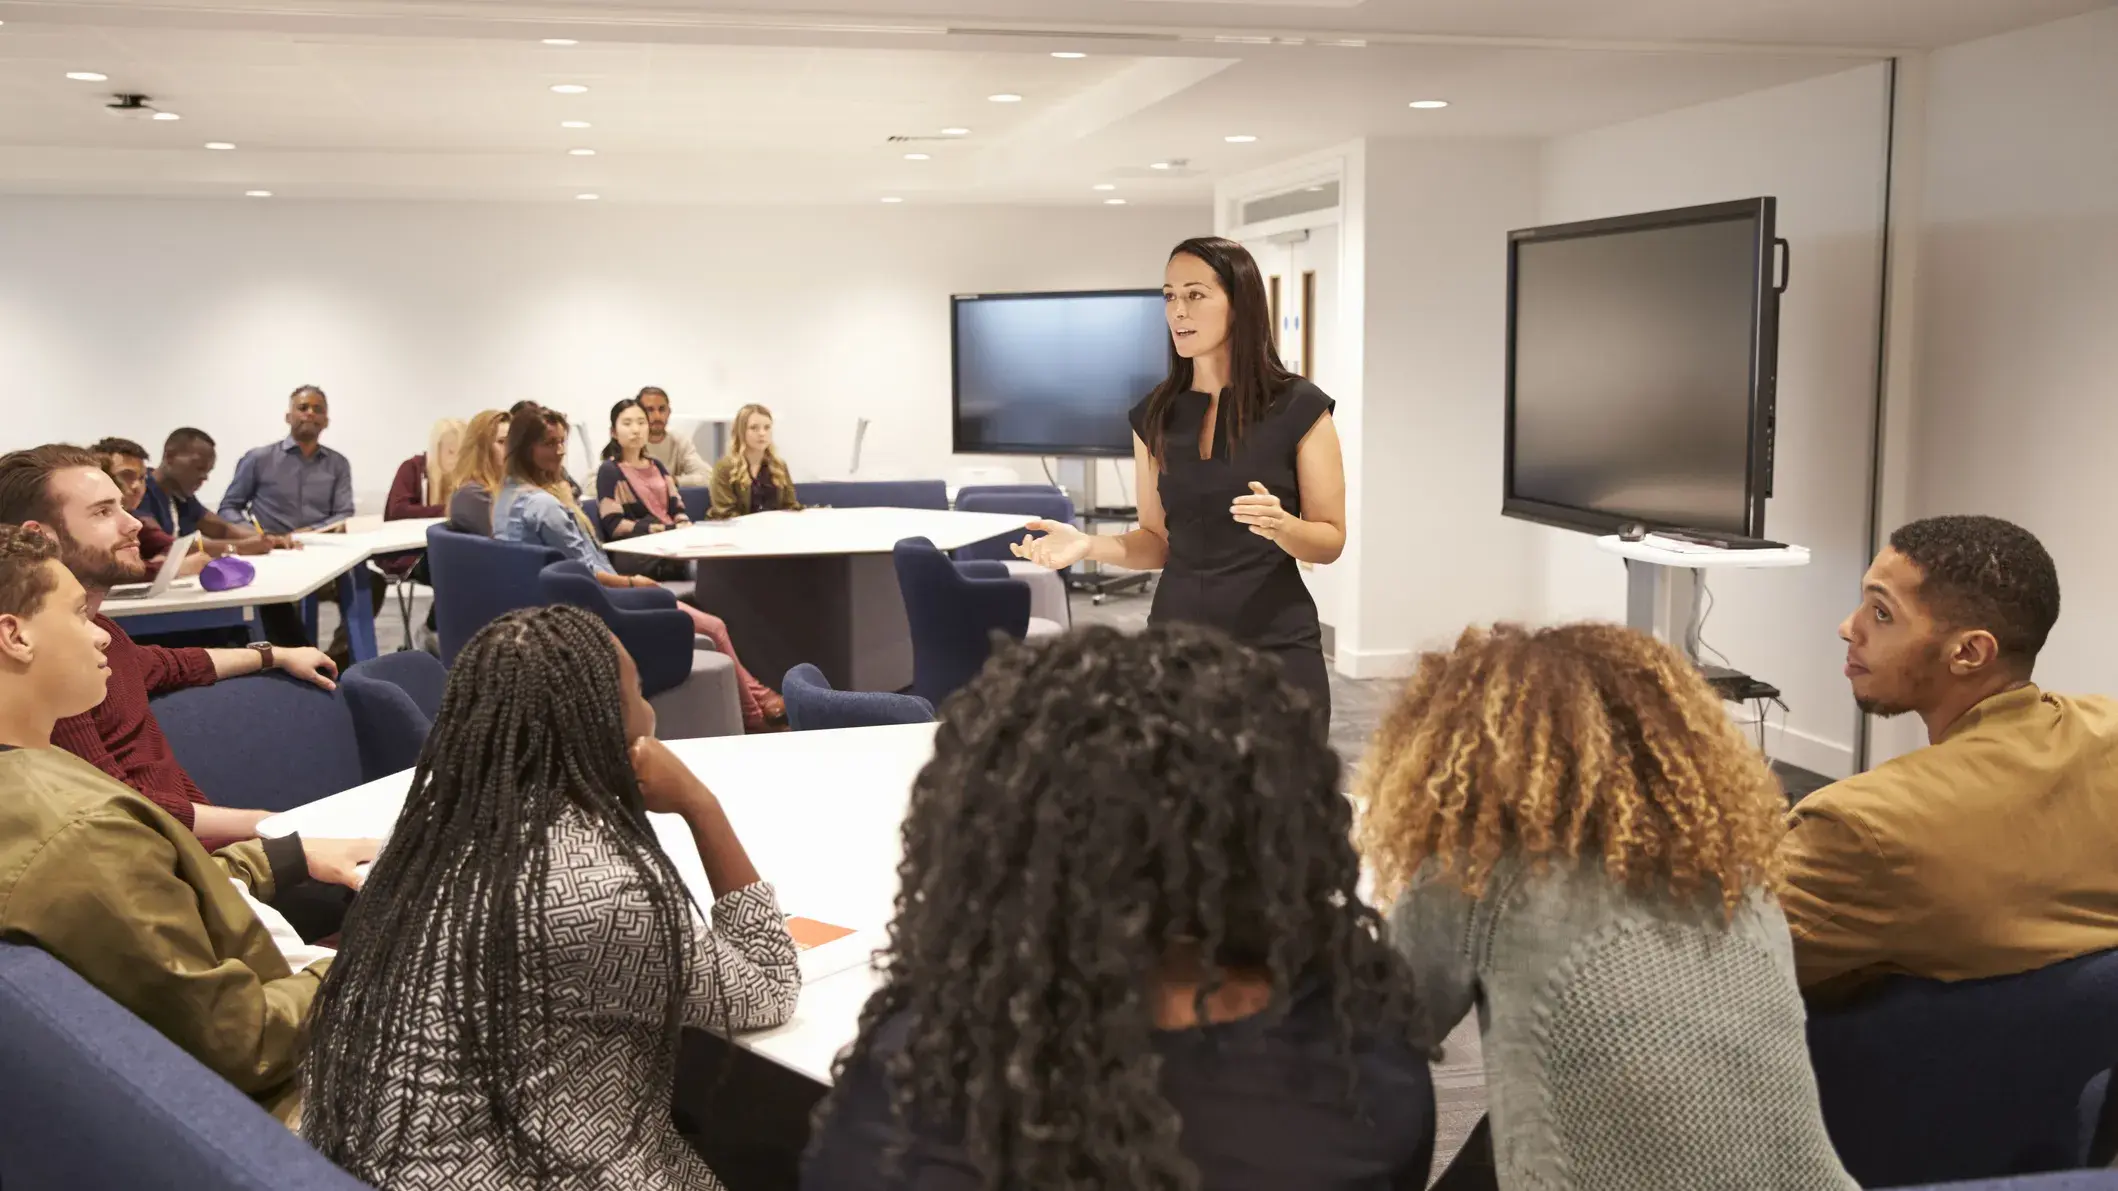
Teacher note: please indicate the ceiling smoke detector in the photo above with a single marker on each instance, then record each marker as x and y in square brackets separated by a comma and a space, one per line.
[131, 107]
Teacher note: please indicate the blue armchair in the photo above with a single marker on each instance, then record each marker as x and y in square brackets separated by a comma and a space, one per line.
[873, 494]
[394, 700]
[1924, 1081]
[813, 705]
[478, 579]
[93, 1097]
[954, 609]
[692, 688]
[263, 741]
[1047, 588]
[698, 500]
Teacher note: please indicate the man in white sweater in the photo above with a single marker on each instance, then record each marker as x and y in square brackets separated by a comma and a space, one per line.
[687, 468]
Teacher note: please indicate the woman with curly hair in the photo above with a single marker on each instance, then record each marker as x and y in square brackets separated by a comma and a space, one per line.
[1128, 951]
[1581, 844]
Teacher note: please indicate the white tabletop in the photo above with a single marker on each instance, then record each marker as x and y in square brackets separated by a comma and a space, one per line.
[818, 812]
[283, 577]
[1670, 552]
[391, 537]
[782, 534]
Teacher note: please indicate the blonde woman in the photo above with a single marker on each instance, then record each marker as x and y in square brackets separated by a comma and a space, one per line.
[421, 486]
[750, 478]
[1579, 842]
[481, 467]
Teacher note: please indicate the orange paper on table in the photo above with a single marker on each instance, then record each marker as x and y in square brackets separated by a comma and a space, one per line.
[808, 932]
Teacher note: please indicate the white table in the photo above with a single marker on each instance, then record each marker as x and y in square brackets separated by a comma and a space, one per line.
[1662, 581]
[816, 586]
[818, 812]
[390, 537]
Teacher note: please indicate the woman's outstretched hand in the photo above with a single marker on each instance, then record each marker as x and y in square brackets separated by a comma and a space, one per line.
[1061, 546]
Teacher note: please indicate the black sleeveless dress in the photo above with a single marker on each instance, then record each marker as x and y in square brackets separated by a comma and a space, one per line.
[1219, 573]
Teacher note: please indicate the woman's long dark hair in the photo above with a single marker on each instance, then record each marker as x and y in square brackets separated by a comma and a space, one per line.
[611, 449]
[456, 913]
[1095, 804]
[525, 433]
[1255, 375]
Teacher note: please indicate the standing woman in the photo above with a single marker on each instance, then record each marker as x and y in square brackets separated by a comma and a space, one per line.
[634, 494]
[750, 478]
[1240, 475]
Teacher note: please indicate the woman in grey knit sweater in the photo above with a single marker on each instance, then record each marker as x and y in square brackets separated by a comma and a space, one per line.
[1580, 845]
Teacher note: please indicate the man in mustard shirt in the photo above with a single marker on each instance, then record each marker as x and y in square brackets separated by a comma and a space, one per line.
[115, 888]
[1994, 849]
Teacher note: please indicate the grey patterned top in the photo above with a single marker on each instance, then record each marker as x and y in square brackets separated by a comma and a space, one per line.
[606, 1002]
[1631, 1043]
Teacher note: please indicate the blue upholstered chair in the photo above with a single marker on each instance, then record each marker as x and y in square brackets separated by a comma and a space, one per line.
[2067, 1180]
[697, 501]
[874, 494]
[1924, 1081]
[394, 699]
[1047, 588]
[477, 579]
[813, 705]
[954, 609]
[264, 741]
[93, 1097]
[692, 687]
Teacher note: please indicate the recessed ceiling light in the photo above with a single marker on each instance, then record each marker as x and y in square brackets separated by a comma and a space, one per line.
[1160, 165]
[257, 194]
[1005, 97]
[955, 132]
[569, 89]
[560, 41]
[575, 124]
[892, 199]
[87, 76]
[1428, 105]
[1113, 202]
[1240, 138]
[919, 157]
[221, 145]
[1104, 186]
[582, 152]
[167, 116]
[588, 198]
[1068, 54]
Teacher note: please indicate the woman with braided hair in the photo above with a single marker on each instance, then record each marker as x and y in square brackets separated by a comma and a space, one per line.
[1128, 951]
[1583, 841]
[505, 1007]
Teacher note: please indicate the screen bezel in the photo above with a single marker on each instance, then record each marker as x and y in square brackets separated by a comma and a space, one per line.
[956, 445]
[1764, 355]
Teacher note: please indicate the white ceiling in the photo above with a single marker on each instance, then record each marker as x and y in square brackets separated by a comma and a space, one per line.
[424, 99]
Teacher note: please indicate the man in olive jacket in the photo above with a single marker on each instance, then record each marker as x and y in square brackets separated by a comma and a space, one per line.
[115, 888]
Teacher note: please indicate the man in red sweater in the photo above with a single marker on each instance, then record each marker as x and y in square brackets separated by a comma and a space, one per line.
[64, 492]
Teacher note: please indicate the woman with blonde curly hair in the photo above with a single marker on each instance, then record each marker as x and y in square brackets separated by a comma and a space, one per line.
[1579, 841]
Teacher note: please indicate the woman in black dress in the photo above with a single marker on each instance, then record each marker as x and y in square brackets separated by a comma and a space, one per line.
[1240, 475]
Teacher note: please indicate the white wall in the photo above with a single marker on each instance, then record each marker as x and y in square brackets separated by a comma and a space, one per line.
[133, 317]
[2018, 344]
[1819, 147]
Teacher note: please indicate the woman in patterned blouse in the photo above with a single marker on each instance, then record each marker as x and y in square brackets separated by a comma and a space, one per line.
[505, 1008]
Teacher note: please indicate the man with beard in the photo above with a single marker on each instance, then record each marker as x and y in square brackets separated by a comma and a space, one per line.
[1988, 852]
[63, 492]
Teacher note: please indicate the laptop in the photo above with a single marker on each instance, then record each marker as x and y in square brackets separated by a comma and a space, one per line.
[172, 562]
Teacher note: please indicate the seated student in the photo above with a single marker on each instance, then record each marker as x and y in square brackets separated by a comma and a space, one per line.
[1129, 949]
[1583, 841]
[750, 478]
[672, 451]
[125, 462]
[481, 467]
[634, 496]
[171, 500]
[530, 507]
[1989, 851]
[510, 989]
[418, 488]
[61, 491]
[116, 889]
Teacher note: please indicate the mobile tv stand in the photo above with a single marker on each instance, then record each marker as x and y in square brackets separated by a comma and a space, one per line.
[1089, 576]
[1662, 578]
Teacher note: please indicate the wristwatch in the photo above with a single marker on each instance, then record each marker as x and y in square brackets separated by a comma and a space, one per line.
[264, 654]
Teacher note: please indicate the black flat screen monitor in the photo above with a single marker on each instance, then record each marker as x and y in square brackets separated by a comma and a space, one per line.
[1053, 374]
[1640, 370]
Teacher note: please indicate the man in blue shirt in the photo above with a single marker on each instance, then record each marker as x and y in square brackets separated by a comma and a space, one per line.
[172, 500]
[296, 485]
